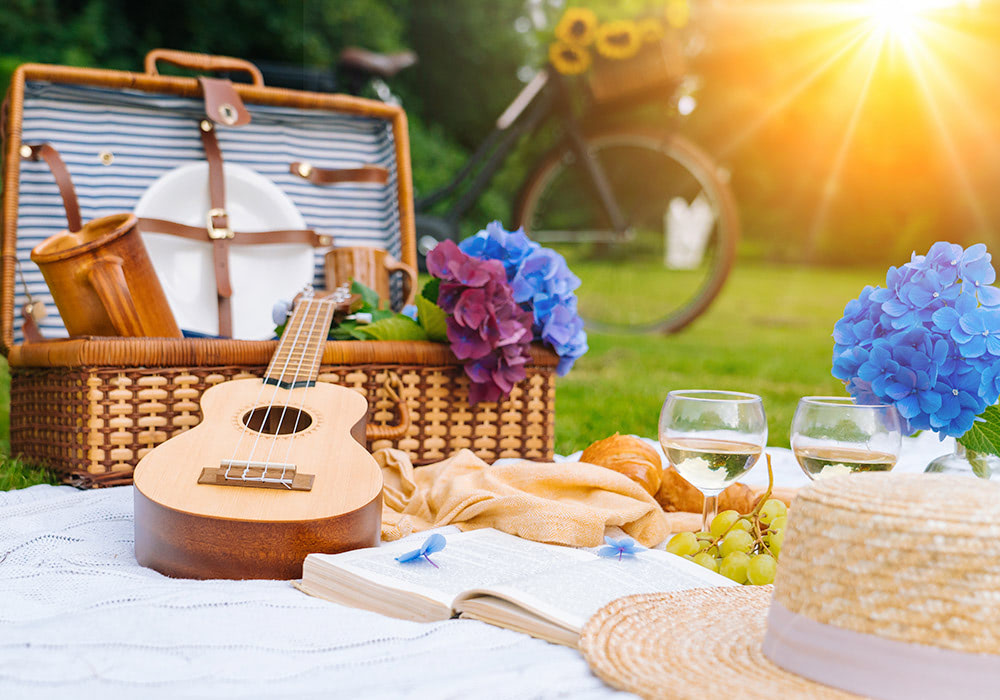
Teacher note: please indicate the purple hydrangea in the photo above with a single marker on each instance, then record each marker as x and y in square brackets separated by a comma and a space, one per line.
[928, 342]
[488, 331]
[542, 283]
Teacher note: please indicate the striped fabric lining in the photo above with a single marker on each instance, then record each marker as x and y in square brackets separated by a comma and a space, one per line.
[150, 134]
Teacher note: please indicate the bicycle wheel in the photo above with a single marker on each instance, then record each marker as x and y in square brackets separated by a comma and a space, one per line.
[672, 261]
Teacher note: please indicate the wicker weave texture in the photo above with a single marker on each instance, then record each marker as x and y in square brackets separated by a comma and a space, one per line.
[93, 424]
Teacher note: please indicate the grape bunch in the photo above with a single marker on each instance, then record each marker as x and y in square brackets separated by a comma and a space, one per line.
[744, 548]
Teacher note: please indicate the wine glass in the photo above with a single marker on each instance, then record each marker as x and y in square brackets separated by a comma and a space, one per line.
[834, 435]
[712, 438]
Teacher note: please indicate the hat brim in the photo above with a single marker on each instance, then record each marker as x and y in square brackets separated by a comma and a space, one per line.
[702, 643]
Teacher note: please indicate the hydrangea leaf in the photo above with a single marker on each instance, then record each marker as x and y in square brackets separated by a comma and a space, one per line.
[984, 437]
[369, 297]
[433, 319]
[398, 327]
[430, 290]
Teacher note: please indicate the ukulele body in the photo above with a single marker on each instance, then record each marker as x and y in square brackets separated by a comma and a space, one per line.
[241, 529]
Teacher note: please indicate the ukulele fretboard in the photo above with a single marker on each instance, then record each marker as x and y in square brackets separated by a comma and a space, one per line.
[297, 360]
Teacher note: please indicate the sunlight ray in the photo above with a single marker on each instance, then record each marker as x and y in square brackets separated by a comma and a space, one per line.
[830, 186]
[957, 166]
[755, 124]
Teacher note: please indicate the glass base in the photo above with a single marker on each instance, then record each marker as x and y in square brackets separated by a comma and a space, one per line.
[962, 462]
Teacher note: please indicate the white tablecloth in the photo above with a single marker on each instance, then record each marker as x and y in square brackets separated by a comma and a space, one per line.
[80, 618]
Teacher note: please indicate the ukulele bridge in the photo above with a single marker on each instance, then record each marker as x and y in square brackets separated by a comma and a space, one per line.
[261, 475]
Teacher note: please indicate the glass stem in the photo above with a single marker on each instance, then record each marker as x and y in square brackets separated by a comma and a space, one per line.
[708, 511]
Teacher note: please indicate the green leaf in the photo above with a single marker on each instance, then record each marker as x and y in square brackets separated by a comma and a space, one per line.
[369, 297]
[983, 437]
[431, 289]
[433, 319]
[398, 327]
[980, 464]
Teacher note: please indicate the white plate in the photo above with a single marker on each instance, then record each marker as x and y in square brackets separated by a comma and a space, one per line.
[260, 274]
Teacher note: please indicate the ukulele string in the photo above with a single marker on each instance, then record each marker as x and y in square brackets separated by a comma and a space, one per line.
[317, 358]
[277, 388]
[298, 416]
[256, 402]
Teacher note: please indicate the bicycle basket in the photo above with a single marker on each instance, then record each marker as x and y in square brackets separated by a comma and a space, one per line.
[658, 66]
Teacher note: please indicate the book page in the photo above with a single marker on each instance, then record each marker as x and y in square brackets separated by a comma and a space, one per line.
[571, 594]
[470, 560]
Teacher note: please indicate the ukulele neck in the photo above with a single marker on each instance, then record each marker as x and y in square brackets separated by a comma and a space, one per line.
[297, 360]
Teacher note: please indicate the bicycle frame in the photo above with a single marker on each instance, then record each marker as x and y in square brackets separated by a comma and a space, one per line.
[546, 95]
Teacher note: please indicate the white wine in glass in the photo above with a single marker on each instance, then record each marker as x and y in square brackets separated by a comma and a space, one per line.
[712, 438]
[832, 436]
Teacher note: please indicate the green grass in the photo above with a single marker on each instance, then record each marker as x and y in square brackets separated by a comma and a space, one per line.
[768, 333]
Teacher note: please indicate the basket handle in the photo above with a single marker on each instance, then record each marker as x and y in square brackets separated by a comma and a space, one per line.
[391, 432]
[202, 62]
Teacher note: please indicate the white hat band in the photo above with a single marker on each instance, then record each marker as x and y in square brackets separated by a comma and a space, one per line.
[885, 669]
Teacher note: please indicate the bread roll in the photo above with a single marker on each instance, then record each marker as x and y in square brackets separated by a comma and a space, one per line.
[629, 456]
[677, 495]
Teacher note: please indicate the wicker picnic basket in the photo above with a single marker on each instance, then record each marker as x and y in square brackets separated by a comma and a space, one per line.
[657, 66]
[92, 407]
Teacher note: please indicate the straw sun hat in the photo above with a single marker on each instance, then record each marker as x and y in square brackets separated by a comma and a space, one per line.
[888, 587]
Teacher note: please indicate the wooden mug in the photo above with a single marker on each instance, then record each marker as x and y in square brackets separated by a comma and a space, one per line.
[102, 281]
[371, 267]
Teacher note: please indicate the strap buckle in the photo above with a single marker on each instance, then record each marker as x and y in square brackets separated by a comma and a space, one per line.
[217, 233]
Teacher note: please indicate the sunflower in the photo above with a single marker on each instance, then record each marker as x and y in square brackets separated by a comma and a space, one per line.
[619, 39]
[577, 26]
[568, 59]
[678, 13]
[650, 30]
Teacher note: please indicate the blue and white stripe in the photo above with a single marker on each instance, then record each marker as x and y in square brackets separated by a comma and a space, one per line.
[151, 134]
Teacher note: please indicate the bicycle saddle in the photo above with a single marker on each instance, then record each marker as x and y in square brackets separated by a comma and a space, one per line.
[384, 65]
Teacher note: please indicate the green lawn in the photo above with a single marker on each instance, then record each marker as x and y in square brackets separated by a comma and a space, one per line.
[768, 333]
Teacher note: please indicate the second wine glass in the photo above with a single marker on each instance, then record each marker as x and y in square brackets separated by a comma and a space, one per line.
[833, 435]
[712, 438]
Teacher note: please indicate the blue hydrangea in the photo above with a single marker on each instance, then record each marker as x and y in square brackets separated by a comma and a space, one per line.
[542, 282]
[928, 342]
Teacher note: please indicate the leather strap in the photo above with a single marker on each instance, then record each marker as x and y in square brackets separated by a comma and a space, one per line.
[196, 233]
[63, 180]
[325, 176]
[222, 103]
[219, 221]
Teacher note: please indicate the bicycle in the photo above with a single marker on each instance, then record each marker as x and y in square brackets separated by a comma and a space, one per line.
[643, 216]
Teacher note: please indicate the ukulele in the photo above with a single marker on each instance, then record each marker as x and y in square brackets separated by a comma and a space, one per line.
[276, 470]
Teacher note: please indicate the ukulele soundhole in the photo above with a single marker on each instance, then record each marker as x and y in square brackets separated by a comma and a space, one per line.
[277, 420]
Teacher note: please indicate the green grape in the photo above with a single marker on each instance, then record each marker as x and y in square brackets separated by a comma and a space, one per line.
[683, 543]
[775, 540]
[734, 566]
[736, 541]
[707, 560]
[778, 523]
[761, 569]
[704, 536]
[723, 521]
[772, 508]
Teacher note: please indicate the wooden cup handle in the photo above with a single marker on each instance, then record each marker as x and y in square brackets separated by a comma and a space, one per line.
[108, 280]
[391, 432]
[409, 277]
[202, 62]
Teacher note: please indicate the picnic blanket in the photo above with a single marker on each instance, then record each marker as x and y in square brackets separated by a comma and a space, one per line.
[80, 618]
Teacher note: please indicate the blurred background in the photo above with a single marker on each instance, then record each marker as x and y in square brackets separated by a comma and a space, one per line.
[843, 150]
[853, 131]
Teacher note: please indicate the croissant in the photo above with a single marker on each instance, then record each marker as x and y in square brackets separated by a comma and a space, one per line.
[629, 456]
[677, 495]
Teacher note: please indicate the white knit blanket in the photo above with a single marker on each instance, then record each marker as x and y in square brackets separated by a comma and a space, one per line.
[80, 618]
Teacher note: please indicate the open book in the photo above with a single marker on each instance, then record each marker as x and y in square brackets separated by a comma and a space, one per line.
[544, 590]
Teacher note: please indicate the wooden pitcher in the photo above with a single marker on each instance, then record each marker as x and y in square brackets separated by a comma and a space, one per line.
[103, 282]
[371, 267]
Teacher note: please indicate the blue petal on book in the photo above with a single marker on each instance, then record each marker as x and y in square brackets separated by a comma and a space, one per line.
[623, 546]
[409, 556]
[434, 543]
